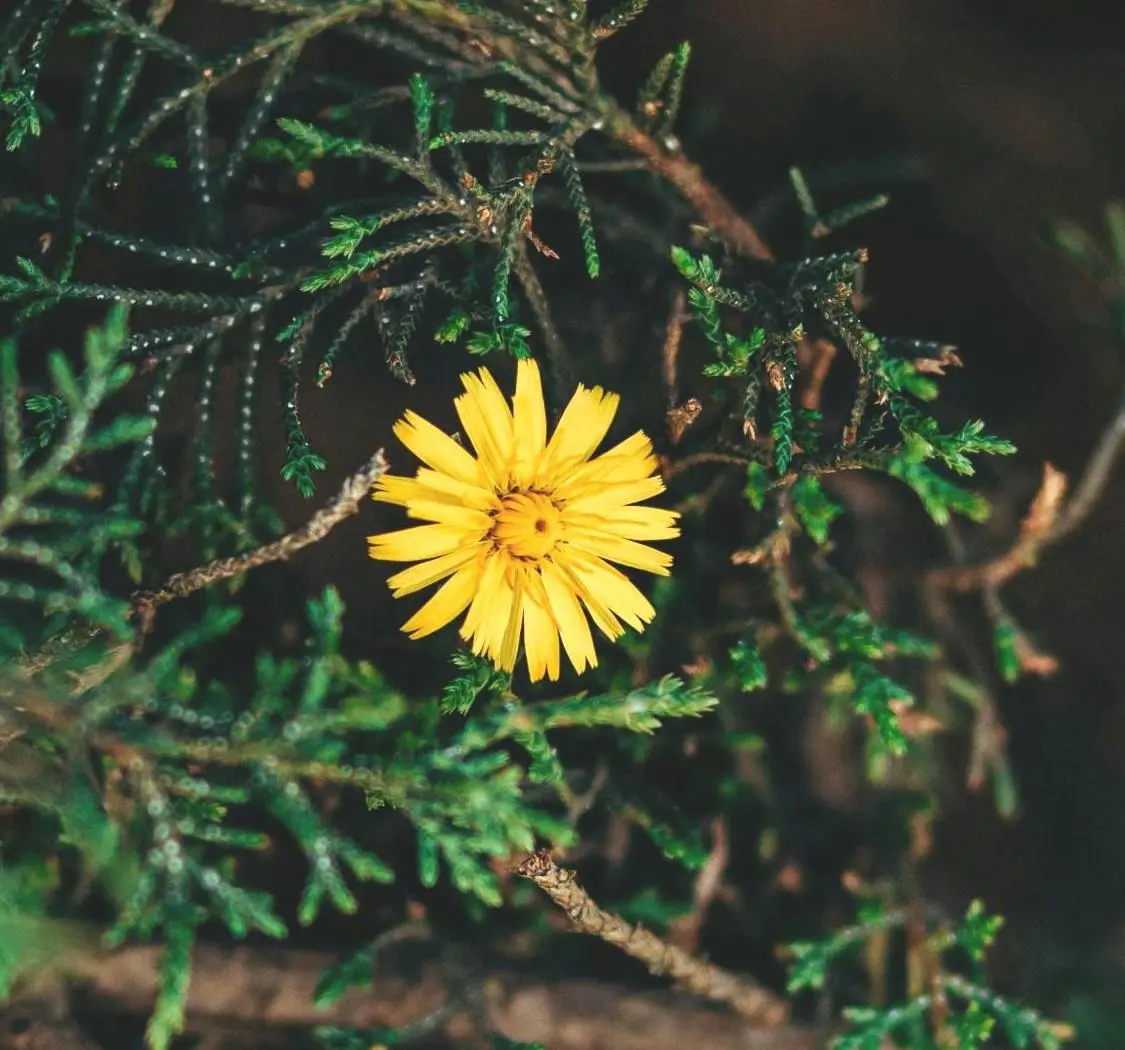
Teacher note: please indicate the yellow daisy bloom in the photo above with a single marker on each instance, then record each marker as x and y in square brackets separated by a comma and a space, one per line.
[523, 532]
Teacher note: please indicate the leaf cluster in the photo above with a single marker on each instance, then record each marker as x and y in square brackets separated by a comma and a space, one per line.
[954, 1011]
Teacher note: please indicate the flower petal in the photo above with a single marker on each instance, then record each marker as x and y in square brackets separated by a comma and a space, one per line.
[568, 561]
[505, 657]
[582, 428]
[568, 614]
[487, 419]
[436, 448]
[478, 623]
[445, 604]
[603, 498]
[624, 552]
[529, 417]
[482, 497]
[631, 523]
[391, 488]
[629, 460]
[424, 573]
[541, 640]
[475, 523]
[422, 541]
[611, 588]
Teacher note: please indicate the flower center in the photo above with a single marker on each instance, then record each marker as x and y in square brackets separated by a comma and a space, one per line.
[527, 525]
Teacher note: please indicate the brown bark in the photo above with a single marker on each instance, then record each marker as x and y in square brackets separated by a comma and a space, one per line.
[274, 987]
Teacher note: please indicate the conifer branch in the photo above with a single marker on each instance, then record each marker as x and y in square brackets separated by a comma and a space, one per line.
[756, 1004]
[617, 18]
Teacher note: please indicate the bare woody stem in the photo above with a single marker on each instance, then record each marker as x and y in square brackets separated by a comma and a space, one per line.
[1051, 517]
[1037, 530]
[344, 505]
[687, 177]
[1094, 478]
[751, 1001]
[274, 989]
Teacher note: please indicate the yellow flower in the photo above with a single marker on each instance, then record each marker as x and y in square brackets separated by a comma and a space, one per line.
[523, 533]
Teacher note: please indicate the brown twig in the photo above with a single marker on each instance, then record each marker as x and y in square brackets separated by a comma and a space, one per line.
[275, 988]
[672, 468]
[760, 454]
[1094, 478]
[602, 167]
[698, 502]
[1050, 519]
[816, 357]
[708, 885]
[748, 999]
[673, 336]
[181, 584]
[1036, 530]
[344, 505]
[989, 742]
[713, 208]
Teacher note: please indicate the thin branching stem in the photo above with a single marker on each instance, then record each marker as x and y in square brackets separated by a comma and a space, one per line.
[753, 1002]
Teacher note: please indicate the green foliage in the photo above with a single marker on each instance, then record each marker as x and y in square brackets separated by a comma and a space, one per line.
[875, 695]
[28, 939]
[846, 646]
[675, 842]
[817, 225]
[749, 665]
[619, 16]
[757, 485]
[968, 1013]
[319, 719]
[814, 296]
[477, 676]
[885, 430]
[813, 508]
[1014, 650]
[812, 959]
[978, 930]
[405, 245]
[660, 96]
[51, 531]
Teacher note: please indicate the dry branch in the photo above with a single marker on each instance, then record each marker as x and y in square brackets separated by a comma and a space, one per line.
[753, 1002]
[343, 505]
[275, 987]
[687, 177]
[1036, 530]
